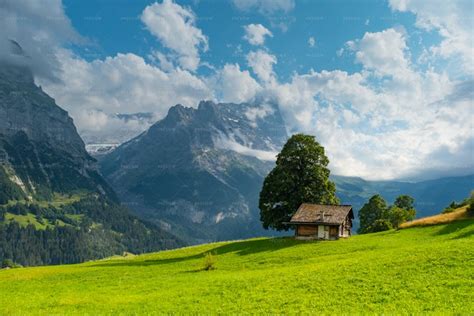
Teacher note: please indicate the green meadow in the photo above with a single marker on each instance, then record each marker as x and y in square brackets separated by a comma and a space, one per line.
[417, 270]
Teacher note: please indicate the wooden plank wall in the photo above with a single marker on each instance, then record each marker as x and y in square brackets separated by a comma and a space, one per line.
[303, 230]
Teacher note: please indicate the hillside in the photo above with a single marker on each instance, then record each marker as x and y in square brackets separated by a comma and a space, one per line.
[418, 270]
[430, 195]
[55, 206]
[444, 218]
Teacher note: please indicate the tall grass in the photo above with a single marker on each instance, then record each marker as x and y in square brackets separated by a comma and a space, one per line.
[458, 214]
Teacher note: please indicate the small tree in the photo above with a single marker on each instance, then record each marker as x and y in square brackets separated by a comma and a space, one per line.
[209, 261]
[405, 202]
[372, 211]
[8, 263]
[397, 215]
[300, 175]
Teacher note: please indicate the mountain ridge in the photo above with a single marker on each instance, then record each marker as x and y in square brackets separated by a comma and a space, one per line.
[199, 166]
[55, 207]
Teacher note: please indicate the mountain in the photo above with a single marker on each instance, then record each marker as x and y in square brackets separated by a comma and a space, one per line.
[40, 149]
[55, 207]
[430, 196]
[199, 171]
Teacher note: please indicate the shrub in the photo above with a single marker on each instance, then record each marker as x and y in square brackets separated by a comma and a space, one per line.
[8, 263]
[470, 209]
[381, 225]
[209, 261]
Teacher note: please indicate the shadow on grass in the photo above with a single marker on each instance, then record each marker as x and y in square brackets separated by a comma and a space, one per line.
[241, 248]
[457, 226]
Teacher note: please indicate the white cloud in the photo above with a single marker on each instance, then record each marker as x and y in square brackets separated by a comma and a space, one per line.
[234, 85]
[389, 120]
[40, 27]
[121, 84]
[311, 41]
[258, 113]
[382, 129]
[266, 7]
[163, 61]
[452, 20]
[255, 34]
[229, 143]
[262, 63]
[175, 27]
[97, 126]
[383, 52]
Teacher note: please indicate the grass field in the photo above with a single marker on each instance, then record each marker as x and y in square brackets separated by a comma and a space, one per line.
[417, 270]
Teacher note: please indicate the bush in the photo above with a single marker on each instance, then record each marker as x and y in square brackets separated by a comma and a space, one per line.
[470, 209]
[397, 215]
[8, 263]
[451, 207]
[381, 225]
[454, 205]
[209, 261]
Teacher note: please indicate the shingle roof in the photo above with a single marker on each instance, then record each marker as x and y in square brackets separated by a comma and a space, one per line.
[322, 214]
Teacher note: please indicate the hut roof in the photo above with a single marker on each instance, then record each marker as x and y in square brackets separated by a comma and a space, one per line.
[322, 214]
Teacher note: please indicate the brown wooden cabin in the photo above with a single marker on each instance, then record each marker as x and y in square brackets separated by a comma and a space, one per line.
[316, 221]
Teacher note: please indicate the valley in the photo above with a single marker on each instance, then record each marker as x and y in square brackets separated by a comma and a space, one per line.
[417, 270]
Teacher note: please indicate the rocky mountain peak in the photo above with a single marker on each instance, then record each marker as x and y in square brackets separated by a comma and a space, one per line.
[38, 139]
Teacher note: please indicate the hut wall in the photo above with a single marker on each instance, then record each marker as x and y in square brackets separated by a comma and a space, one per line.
[306, 230]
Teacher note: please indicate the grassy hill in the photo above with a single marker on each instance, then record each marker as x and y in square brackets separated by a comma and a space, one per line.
[460, 213]
[416, 270]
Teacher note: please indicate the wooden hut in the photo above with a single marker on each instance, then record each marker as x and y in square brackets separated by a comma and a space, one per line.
[316, 221]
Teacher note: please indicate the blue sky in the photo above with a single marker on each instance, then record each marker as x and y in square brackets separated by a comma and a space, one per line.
[115, 27]
[385, 86]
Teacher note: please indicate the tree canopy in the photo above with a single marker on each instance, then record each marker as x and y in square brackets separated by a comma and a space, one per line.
[372, 211]
[300, 176]
[376, 215]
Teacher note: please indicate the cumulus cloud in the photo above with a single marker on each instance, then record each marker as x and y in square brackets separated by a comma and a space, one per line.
[255, 34]
[383, 52]
[231, 84]
[125, 83]
[389, 120]
[97, 126]
[262, 63]
[311, 41]
[259, 112]
[266, 7]
[382, 129]
[40, 28]
[451, 19]
[175, 27]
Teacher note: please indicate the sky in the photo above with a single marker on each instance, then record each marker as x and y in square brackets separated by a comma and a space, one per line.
[385, 86]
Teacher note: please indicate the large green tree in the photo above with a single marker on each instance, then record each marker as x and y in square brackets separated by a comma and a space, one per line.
[300, 176]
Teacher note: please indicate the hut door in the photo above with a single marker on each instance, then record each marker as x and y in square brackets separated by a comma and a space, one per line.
[333, 231]
[321, 231]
